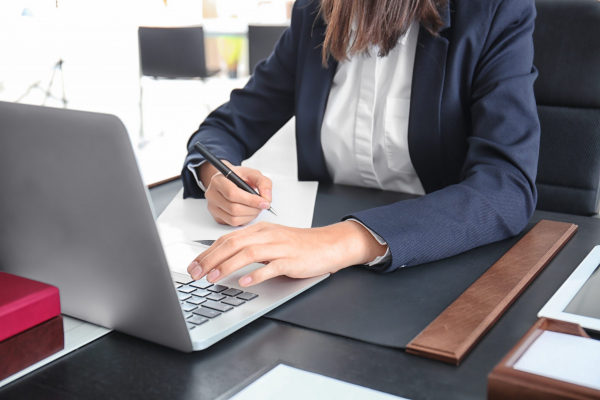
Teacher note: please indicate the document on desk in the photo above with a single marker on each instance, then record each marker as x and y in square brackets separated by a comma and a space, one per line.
[189, 220]
[285, 382]
[568, 358]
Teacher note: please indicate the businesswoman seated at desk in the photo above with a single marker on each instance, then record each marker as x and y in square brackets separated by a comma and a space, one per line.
[427, 97]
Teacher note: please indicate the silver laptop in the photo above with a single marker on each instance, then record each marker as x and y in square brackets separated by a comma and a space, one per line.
[75, 213]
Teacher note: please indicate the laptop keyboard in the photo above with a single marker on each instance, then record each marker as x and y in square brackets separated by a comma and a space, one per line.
[201, 301]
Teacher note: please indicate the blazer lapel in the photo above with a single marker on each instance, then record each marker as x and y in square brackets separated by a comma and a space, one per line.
[424, 142]
[311, 109]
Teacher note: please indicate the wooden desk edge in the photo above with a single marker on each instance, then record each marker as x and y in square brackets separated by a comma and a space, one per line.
[171, 179]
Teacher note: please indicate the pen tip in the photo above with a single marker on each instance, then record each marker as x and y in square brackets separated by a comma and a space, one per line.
[273, 211]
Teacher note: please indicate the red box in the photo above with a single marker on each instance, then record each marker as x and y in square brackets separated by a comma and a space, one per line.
[24, 304]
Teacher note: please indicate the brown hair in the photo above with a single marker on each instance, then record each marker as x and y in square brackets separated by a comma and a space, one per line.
[378, 22]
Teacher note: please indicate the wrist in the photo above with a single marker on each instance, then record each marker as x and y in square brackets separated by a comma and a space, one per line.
[358, 245]
[206, 171]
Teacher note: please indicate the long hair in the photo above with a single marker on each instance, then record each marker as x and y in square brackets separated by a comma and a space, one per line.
[377, 22]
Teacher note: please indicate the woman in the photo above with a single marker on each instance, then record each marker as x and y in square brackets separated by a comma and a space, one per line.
[417, 96]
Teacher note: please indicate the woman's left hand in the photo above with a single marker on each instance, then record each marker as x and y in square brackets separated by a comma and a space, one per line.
[294, 252]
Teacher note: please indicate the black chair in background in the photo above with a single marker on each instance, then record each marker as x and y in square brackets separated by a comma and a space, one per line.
[173, 53]
[261, 41]
[567, 55]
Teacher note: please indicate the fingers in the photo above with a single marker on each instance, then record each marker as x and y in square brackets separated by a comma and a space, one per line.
[234, 209]
[231, 205]
[223, 250]
[234, 194]
[271, 270]
[233, 246]
[261, 182]
[225, 212]
[250, 229]
[247, 256]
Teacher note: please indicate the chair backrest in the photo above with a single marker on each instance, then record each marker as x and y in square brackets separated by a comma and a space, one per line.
[567, 55]
[261, 41]
[172, 52]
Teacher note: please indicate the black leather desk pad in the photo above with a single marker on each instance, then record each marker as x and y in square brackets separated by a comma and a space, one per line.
[384, 309]
[388, 309]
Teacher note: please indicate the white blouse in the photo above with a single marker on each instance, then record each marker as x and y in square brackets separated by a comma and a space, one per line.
[365, 127]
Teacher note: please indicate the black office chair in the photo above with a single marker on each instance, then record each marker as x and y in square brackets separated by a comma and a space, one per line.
[567, 55]
[261, 41]
[172, 53]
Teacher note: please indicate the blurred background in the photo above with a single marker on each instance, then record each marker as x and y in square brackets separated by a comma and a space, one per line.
[161, 80]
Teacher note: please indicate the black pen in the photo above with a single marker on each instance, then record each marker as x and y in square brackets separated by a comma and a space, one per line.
[224, 169]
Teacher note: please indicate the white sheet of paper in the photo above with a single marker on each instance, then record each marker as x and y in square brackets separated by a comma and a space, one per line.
[564, 357]
[188, 220]
[285, 382]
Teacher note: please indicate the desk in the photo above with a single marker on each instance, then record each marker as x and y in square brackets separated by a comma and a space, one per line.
[118, 366]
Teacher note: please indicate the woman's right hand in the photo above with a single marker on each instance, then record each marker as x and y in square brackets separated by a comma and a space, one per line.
[230, 205]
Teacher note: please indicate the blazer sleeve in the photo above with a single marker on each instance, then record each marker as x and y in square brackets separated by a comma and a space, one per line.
[496, 195]
[240, 127]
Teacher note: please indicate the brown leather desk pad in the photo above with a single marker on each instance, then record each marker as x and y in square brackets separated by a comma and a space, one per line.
[390, 309]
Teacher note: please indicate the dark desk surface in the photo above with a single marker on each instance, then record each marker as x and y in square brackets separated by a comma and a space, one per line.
[118, 366]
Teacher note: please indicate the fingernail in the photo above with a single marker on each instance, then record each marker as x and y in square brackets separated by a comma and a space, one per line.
[246, 280]
[264, 206]
[268, 195]
[214, 274]
[196, 272]
[193, 265]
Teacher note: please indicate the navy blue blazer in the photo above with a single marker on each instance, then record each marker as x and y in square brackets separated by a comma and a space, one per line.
[473, 130]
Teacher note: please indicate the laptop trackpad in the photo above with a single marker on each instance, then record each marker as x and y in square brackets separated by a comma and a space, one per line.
[180, 255]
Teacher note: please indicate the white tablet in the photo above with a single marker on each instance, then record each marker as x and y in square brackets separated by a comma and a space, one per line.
[578, 299]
